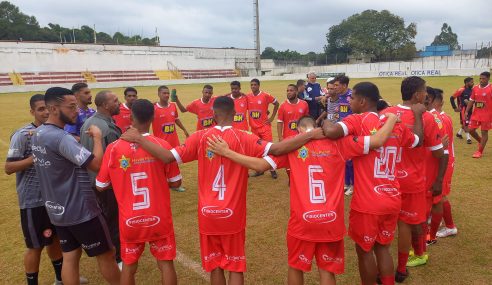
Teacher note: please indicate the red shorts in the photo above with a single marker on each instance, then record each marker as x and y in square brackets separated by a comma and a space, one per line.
[484, 126]
[432, 200]
[367, 229]
[329, 255]
[224, 251]
[264, 133]
[413, 208]
[162, 249]
[448, 177]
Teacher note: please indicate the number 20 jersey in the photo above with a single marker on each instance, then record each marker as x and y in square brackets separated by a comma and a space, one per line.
[140, 184]
[222, 184]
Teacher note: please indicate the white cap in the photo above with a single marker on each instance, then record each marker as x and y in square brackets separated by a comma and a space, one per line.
[330, 79]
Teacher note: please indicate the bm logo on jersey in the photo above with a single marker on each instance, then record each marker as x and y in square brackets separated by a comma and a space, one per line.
[303, 153]
[168, 129]
[293, 125]
[207, 122]
[238, 118]
[124, 163]
[255, 114]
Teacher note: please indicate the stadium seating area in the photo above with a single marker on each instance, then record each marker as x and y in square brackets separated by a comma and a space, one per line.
[111, 76]
[208, 73]
[5, 79]
[31, 78]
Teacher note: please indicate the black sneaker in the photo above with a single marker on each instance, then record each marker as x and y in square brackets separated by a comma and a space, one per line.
[431, 242]
[468, 141]
[274, 174]
[400, 277]
[459, 136]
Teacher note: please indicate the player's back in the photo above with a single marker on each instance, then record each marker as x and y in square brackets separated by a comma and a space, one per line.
[140, 183]
[222, 183]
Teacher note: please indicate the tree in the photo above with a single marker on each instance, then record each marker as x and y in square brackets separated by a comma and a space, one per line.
[381, 35]
[268, 53]
[446, 37]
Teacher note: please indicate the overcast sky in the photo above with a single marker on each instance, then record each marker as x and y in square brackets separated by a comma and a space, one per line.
[284, 24]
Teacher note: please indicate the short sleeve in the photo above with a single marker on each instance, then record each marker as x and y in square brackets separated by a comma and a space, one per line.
[306, 108]
[472, 97]
[458, 92]
[176, 115]
[271, 99]
[103, 179]
[17, 147]
[192, 108]
[353, 146]
[254, 146]
[432, 135]
[172, 170]
[407, 138]
[351, 125]
[73, 151]
[280, 116]
[188, 151]
[277, 162]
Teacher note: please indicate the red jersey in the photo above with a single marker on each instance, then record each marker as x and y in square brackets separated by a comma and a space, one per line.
[411, 173]
[241, 107]
[289, 114]
[258, 108]
[164, 124]
[376, 189]
[316, 186]
[448, 126]
[482, 100]
[122, 120]
[431, 162]
[204, 113]
[222, 183]
[140, 184]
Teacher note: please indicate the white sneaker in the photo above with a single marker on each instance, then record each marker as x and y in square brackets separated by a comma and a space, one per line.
[446, 232]
[82, 280]
[349, 190]
[120, 265]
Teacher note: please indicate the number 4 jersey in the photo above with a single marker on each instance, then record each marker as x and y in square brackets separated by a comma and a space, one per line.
[316, 186]
[140, 184]
[222, 184]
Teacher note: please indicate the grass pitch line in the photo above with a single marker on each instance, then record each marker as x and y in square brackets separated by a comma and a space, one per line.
[191, 264]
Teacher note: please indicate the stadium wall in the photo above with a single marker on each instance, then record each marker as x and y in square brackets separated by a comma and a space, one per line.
[56, 57]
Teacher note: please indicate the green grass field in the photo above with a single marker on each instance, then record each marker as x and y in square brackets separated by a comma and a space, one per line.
[464, 259]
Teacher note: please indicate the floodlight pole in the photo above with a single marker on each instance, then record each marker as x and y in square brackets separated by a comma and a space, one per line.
[257, 37]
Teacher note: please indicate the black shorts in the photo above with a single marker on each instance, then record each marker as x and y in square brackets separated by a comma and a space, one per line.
[92, 236]
[36, 227]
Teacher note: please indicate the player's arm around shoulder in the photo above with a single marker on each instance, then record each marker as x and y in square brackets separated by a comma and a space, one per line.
[15, 156]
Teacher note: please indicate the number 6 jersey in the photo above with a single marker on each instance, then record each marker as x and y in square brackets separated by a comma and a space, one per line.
[140, 184]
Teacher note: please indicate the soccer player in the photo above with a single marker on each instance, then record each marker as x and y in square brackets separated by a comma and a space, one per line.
[202, 108]
[289, 113]
[436, 99]
[108, 105]
[260, 123]
[61, 164]
[462, 95]
[481, 102]
[376, 203]
[222, 187]
[146, 215]
[166, 118]
[122, 120]
[301, 89]
[38, 231]
[240, 105]
[330, 102]
[84, 99]
[313, 95]
[411, 175]
[316, 225]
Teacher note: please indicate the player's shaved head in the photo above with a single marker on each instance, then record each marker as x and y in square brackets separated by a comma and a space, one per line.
[142, 111]
[224, 106]
[101, 97]
[56, 94]
[305, 124]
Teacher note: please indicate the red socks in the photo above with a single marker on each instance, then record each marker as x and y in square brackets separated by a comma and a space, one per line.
[480, 147]
[435, 222]
[446, 214]
[388, 280]
[402, 262]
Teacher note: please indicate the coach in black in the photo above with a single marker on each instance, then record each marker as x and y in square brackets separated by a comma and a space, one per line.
[61, 163]
[107, 106]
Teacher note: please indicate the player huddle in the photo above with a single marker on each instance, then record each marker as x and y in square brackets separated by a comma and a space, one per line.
[403, 157]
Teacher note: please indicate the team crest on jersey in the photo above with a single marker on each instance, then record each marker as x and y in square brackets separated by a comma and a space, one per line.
[303, 153]
[373, 131]
[438, 121]
[124, 162]
[209, 154]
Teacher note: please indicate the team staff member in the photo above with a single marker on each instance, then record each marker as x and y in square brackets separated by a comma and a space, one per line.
[122, 120]
[61, 164]
[38, 231]
[107, 106]
[84, 99]
[260, 123]
[313, 95]
[201, 107]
